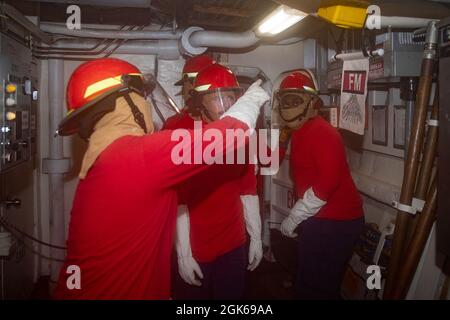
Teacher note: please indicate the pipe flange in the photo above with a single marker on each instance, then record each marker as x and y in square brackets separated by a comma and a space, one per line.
[185, 45]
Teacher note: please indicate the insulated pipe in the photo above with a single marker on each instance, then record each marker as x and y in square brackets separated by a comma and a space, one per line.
[412, 163]
[113, 34]
[193, 41]
[196, 40]
[415, 249]
[56, 180]
[223, 39]
[165, 49]
[429, 154]
[401, 22]
[358, 55]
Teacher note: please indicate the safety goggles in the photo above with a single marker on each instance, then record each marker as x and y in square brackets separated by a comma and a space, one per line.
[294, 105]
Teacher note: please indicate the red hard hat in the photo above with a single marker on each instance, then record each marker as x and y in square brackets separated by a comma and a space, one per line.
[300, 80]
[214, 77]
[193, 66]
[90, 83]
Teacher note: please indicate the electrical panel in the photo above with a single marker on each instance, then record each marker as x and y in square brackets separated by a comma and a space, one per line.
[402, 58]
[18, 103]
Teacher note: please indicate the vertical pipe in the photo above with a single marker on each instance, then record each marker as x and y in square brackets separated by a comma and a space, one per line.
[56, 180]
[429, 154]
[408, 94]
[412, 163]
[415, 249]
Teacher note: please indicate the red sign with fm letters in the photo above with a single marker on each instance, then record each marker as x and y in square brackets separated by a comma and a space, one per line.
[355, 82]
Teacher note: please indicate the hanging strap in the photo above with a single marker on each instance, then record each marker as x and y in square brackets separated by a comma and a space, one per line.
[138, 115]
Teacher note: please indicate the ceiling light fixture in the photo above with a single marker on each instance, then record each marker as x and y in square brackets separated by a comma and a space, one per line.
[279, 20]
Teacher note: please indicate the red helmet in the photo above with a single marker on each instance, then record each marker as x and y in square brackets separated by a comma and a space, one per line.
[193, 66]
[215, 90]
[91, 82]
[300, 80]
[214, 77]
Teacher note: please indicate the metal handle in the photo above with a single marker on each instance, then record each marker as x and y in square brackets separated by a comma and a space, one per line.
[14, 202]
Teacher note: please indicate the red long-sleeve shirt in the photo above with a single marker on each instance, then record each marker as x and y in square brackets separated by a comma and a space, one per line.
[215, 209]
[318, 161]
[123, 218]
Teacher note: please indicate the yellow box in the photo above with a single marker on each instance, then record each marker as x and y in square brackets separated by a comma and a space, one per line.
[351, 14]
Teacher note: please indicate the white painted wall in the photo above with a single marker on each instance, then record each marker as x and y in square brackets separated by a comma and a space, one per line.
[273, 60]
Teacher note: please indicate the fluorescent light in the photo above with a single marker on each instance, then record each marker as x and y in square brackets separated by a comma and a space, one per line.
[280, 19]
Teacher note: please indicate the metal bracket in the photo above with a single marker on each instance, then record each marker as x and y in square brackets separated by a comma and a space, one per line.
[433, 123]
[16, 203]
[418, 203]
[416, 206]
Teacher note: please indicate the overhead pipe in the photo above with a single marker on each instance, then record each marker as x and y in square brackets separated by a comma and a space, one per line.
[165, 49]
[358, 55]
[112, 34]
[401, 22]
[412, 163]
[196, 40]
[81, 51]
[415, 249]
[63, 50]
[192, 41]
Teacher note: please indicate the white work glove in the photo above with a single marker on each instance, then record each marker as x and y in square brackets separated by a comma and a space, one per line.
[246, 108]
[187, 266]
[253, 226]
[303, 209]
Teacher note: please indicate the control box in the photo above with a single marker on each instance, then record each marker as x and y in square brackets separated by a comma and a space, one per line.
[18, 103]
[402, 58]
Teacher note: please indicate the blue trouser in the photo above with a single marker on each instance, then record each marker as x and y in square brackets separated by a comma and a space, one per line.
[223, 279]
[324, 248]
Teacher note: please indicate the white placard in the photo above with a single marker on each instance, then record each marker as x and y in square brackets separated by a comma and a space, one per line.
[353, 95]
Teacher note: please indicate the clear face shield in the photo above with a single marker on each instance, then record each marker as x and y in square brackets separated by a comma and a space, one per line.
[215, 103]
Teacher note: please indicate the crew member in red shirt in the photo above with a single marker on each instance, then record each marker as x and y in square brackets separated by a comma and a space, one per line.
[190, 71]
[216, 208]
[329, 209]
[124, 212]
